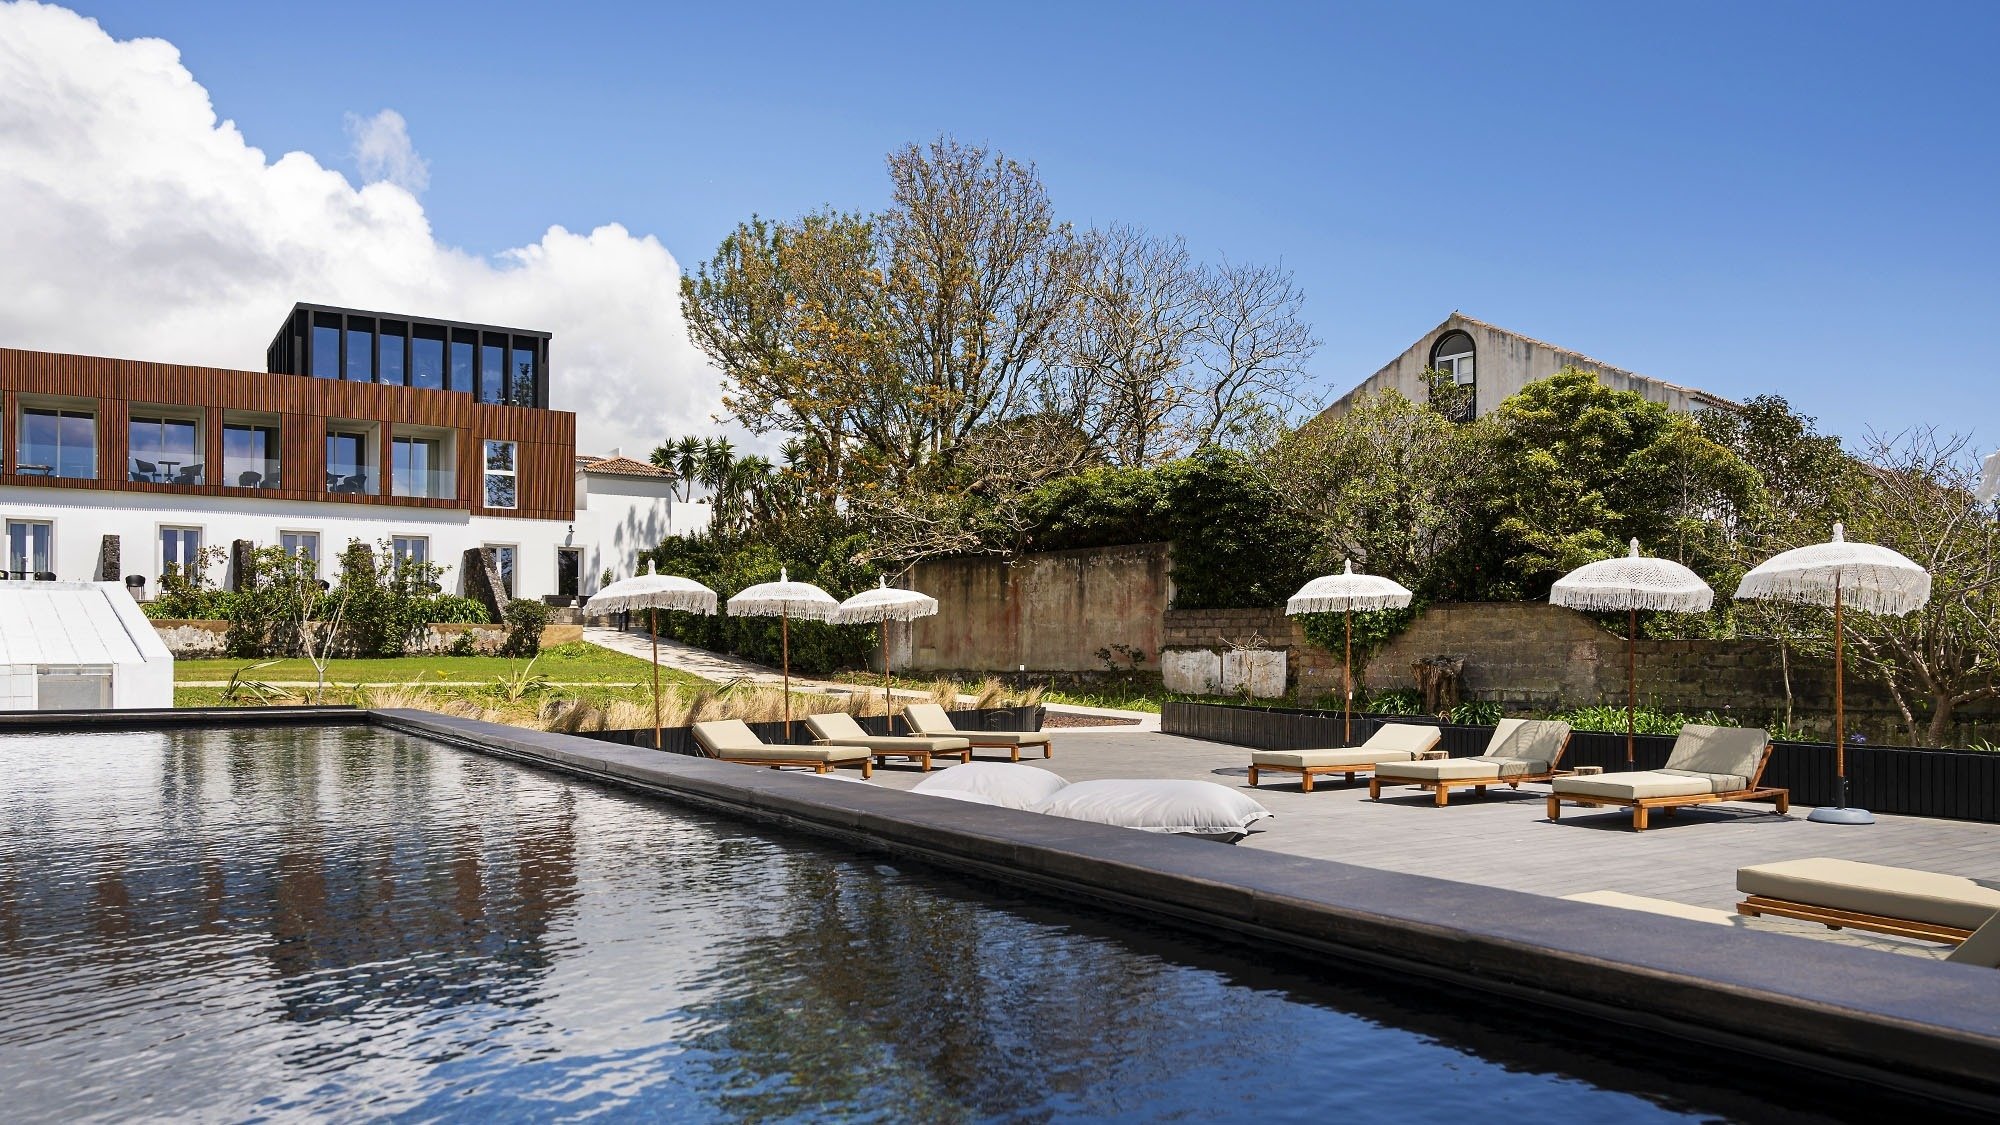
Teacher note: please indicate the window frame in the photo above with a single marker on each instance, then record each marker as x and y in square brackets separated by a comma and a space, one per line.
[510, 574]
[399, 556]
[297, 533]
[488, 473]
[60, 411]
[49, 547]
[160, 533]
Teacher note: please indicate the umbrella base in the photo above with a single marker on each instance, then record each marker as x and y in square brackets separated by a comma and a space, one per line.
[1841, 816]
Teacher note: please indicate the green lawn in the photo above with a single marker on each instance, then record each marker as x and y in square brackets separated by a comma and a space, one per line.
[570, 663]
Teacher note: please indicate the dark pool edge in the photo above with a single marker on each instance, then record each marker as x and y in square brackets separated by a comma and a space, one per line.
[1922, 1027]
[57, 722]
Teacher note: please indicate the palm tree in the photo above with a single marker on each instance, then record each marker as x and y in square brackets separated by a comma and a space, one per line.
[686, 464]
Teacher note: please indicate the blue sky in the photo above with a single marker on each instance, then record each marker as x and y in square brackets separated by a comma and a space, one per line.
[1796, 198]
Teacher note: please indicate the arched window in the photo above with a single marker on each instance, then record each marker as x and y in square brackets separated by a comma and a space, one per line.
[1455, 391]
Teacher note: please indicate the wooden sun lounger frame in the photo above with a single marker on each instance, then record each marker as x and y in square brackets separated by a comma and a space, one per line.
[1307, 773]
[1013, 748]
[1756, 905]
[913, 754]
[1641, 806]
[1442, 787]
[813, 764]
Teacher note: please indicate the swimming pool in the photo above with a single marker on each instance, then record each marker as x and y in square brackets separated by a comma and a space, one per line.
[348, 921]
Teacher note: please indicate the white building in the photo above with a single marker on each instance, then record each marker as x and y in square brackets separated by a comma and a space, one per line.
[432, 437]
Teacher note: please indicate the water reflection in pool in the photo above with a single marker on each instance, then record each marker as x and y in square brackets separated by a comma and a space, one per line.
[351, 922]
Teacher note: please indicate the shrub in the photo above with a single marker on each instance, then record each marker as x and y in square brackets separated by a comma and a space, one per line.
[525, 620]
[186, 595]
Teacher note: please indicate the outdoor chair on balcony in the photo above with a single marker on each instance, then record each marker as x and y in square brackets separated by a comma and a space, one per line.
[1708, 765]
[839, 728]
[933, 721]
[1520, 750]
[1391, 742]
[249, 480]
[144, 470]
[732, 740]
[1841, 893]
[189, 474]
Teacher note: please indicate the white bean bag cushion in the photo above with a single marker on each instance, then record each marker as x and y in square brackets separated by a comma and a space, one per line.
[1185, 808]
[1002, 783]
[966, 795]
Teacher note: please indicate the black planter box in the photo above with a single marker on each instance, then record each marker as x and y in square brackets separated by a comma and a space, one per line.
[1906, 781]
[680, 740]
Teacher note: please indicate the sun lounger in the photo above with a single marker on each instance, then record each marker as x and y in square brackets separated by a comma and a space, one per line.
[839, 728]
[1391, 742]
[1708, 764]
[933, 721]
[1520, 750]
[732, 740]
[1841, 893]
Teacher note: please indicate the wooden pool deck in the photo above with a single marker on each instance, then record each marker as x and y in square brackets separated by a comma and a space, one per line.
[1504, 839]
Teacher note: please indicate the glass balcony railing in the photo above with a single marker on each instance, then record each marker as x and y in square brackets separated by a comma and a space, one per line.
[167, 468]
[432, 484]
[251, 472]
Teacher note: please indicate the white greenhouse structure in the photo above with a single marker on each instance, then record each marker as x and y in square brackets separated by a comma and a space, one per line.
[79, 646]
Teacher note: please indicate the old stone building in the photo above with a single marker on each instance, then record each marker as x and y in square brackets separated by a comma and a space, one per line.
[1486, 364]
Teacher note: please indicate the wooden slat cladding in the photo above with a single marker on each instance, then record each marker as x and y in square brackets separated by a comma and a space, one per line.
[546, 438]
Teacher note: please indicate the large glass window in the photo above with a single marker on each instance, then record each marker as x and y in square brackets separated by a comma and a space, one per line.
[347, 461]
[164, 450]
[29, 548]
[427, 358]
[360, 351]
[464, 347]
[389, 349]
[180, 551]
[492, 373]
[503, 561]
[1454, 381]
[249, 455]
[501, 490]
[57, 443]
[521, 392]
[326, 347]
[418, 468]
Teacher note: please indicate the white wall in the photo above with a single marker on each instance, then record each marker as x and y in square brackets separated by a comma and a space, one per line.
[82, 518]
[619, 516]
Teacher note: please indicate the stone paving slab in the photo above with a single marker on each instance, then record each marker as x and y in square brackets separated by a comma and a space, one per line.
[1505, 839]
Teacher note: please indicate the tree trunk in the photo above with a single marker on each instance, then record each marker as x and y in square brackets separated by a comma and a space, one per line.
[1942, 708]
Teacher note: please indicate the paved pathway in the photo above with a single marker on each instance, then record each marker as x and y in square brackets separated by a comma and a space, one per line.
[720, 668]
[1505, 840]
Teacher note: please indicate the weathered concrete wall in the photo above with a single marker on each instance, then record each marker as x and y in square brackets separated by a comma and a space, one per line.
[1504, 362]
[1201, 635]
[1259, 672]
[1051, 611]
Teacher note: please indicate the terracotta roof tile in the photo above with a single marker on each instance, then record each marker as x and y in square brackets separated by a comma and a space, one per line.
[620, 466]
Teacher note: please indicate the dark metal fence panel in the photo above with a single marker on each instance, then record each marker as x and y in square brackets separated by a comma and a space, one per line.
[1906, 781]
[679, 740]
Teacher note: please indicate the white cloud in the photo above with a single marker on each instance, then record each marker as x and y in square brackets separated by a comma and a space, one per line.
[133, 223]
[382, 150]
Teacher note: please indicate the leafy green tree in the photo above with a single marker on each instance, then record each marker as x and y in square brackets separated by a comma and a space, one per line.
[1579, 468]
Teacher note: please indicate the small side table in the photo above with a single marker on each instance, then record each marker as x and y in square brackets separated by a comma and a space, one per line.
[1587, 771]
[1431, 755]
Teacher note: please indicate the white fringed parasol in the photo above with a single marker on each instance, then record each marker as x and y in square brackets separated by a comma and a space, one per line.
[1840, 574]
[1344, 593]
[1633, 583]
[883, 604]
[784, 600]
[652, 593]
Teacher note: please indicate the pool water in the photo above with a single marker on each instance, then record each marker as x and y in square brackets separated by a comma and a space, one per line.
[271, 923]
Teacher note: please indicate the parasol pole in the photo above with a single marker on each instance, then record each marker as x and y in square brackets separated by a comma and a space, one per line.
[1839, 700]
[1347, 675]
[785, 657]
[888, 705]
[653, 624]
[1631, 680]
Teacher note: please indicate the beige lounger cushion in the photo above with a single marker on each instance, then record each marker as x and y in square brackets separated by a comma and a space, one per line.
[1635, 786]
[733, 738]
[725, 735]
[839, 726]
[1391, 742]
[1727, 756]
[1869, 888]
[1460, 769]
[928, 718]
[1360, 757]
[795, 753]
[1007, 737]
[1528, 740]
